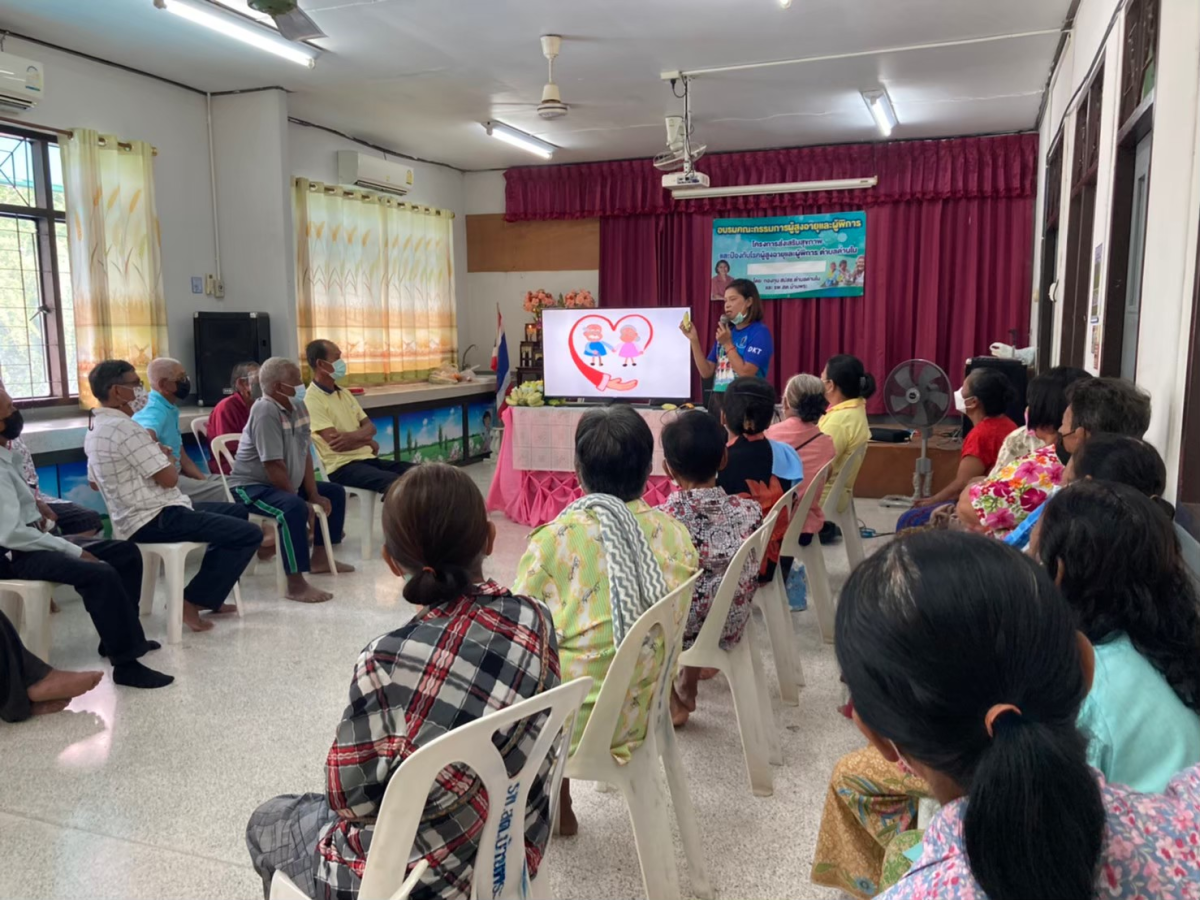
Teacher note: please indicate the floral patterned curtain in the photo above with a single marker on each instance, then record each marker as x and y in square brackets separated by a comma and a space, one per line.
[375, 276]
[114, 245]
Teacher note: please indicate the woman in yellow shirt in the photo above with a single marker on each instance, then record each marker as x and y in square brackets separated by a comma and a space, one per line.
[847, 386]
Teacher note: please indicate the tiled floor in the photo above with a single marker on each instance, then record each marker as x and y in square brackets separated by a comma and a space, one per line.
[135, 794]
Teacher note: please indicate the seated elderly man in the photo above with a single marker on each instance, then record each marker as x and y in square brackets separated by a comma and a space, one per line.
[107, 574]
[231, 414]
[273, 475]
[141, 487]
[170, 389]
[344, 436]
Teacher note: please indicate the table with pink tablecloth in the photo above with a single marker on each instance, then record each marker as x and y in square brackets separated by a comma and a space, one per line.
[535, 472]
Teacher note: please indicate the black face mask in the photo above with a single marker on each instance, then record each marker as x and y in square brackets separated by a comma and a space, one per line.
[1064, 455]
[14, 425]
[183, 387]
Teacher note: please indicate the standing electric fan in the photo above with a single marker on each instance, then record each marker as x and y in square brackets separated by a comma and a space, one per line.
[917, 395]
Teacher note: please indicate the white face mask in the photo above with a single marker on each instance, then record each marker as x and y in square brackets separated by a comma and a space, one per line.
[960, 402]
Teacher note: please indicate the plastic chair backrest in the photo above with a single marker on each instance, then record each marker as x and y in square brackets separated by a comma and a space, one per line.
[318, 466]
[842, 483]
[667, 616]
[220, 448]
[791, 537]
[117, 535]
[787, 501]
[709, 638]
[500, 859]
[200, 433]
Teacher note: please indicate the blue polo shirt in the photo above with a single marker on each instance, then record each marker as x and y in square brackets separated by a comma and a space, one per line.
[753, 344]
[161, 416]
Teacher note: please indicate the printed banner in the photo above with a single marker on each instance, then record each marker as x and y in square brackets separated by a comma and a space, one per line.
[792, 256]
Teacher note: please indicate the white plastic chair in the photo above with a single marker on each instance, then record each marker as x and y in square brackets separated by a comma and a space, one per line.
[813, 560]
[639, 780]
[367, 501]
[775, 614]
[32, 617]
[499, 865]
[220, 446]
[173, 557]
[847, 519]
[200, 433]
[741, 665]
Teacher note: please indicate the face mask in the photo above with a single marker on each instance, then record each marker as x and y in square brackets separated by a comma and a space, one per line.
[1064, 455]
[139, 397]
[960, 402]
[183, 387]
[13, 425]
[301, 392]
[739, 318]
[255, 390]
[339, 370]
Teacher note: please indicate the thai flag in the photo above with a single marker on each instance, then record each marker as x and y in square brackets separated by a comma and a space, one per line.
[500, 360]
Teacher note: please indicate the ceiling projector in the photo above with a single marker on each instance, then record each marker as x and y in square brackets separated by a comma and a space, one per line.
[674, 180]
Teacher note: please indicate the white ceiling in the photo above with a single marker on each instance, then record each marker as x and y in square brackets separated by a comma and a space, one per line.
[419, 76]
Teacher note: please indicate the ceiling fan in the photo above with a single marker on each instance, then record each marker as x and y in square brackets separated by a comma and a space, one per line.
[551, 106]
[293, 23]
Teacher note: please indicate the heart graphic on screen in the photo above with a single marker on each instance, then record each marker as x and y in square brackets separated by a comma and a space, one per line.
[599, 378]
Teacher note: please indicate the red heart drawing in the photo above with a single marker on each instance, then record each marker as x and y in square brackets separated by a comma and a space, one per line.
[599, 378]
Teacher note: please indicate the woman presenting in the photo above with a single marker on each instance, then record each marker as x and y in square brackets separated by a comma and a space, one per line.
[743, 343]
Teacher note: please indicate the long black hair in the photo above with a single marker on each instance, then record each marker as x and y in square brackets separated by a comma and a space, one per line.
[749, 405]
[850, 376]
[934, 630]
[1121, 570]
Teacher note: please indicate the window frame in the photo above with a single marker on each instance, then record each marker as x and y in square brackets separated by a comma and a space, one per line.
[46, 219]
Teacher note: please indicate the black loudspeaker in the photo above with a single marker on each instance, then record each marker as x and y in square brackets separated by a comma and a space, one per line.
[1017, 374]
[224, 339]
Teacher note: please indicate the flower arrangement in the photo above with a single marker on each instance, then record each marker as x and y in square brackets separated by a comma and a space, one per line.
[536, 301]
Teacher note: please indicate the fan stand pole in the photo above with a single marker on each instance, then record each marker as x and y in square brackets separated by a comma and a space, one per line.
[922, 479]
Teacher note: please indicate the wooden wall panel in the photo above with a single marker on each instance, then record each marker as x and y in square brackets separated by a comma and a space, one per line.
[558, 245]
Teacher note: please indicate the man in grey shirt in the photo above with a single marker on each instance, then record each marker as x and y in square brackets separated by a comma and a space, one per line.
[273, 475]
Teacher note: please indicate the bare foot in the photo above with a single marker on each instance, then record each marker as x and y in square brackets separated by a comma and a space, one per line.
[265, 552]
[46, 707]
[306, 593]
[226, 609]
[191, 618]
[60, 685]
[320, 563]
[679, 712]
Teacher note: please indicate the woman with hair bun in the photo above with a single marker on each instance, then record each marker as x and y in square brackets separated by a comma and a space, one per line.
[848, 386]
[472, 648]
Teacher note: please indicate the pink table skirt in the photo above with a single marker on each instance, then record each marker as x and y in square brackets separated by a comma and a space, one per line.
[533, 497]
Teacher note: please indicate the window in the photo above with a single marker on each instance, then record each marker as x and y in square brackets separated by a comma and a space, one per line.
[1141, 38]
[37, 322]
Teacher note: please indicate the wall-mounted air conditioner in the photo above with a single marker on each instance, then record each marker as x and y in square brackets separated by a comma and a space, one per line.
[373, 173]
[21, 82]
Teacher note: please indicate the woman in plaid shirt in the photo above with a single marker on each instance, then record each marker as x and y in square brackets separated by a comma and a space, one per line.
[472, 648]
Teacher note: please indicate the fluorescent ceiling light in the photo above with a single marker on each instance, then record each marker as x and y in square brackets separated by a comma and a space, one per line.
[790, 187]
[519, 138]
[880, 105]
[227, 24]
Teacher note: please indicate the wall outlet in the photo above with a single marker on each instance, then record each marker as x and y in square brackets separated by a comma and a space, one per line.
[209, 284]
[219, 289]
[197, 284]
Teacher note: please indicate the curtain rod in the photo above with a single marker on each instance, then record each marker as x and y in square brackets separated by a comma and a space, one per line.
[334, 190]
[64, 132]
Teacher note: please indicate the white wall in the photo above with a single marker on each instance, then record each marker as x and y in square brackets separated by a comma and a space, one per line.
[312, 154]
[487, 289]
[485, 193]
[254, 210]
[1174, 200]
[81, 93]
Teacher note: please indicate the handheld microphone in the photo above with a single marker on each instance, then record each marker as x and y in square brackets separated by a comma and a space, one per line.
[726, 321]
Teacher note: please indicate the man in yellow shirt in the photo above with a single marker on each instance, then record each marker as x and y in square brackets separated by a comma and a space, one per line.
[344, 436]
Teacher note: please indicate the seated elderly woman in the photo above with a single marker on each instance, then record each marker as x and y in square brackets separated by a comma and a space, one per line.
[1000, 503]
[594, 604]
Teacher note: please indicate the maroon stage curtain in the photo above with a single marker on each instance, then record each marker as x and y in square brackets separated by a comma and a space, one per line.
[949, 245]
[988, 167]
